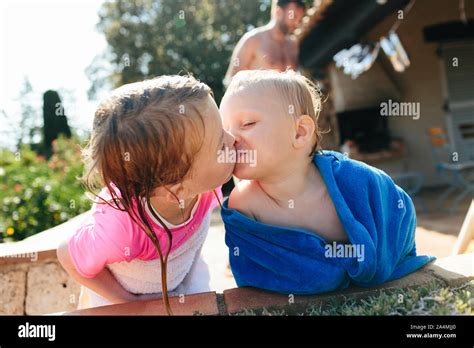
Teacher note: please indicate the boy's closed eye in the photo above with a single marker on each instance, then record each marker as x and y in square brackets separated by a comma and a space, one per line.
[248, 124]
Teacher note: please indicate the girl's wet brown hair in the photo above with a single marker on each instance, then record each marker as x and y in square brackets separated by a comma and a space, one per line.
[145, 135]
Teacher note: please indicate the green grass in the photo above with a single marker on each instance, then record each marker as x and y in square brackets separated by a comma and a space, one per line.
[430, 299]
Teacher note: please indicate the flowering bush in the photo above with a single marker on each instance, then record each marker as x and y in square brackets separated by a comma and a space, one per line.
[36, 194]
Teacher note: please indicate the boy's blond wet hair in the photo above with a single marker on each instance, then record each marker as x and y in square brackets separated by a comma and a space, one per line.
[299, 95]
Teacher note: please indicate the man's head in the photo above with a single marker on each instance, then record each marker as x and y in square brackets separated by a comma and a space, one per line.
[288, 14]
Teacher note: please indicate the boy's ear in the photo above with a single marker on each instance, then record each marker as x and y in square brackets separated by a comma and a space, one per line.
[305, 128]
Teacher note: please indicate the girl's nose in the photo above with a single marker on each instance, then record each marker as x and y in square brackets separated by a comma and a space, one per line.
[231, 139]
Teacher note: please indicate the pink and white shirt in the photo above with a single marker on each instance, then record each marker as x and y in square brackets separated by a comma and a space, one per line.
[110, 238]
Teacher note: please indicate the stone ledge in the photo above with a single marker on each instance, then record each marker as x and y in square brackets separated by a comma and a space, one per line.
[453, 270]
[49, 288]
[50, 238]
[240, 299]
[37, 288]
[199, 304]
[15, 279]
[12, 292]
[43, 245]
[27, 256]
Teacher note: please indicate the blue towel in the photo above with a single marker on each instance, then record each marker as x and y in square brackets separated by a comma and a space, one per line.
[377, 215]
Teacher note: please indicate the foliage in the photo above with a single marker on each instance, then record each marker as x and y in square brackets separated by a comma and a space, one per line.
[149, 38]
[36, 194]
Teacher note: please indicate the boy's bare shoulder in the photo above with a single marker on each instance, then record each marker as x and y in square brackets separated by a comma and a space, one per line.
[244, 197]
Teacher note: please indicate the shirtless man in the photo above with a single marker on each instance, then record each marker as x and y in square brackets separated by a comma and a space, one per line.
[271, 46]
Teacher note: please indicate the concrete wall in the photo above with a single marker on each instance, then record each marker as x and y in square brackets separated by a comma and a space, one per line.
[422, 82]
[35, 286]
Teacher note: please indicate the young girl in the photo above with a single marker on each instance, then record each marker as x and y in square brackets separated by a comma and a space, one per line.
[153, 150]
[304, 221]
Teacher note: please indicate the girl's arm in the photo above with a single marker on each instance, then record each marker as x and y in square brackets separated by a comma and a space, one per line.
[103, 284]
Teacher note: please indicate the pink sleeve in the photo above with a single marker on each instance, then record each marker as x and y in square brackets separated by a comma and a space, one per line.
[105, 238]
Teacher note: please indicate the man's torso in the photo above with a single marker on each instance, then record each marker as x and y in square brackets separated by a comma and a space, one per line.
[271, 54]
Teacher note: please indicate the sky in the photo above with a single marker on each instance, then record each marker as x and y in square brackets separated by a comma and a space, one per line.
[51, 43]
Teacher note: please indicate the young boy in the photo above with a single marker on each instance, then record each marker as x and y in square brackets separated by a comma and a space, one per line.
[298, 215]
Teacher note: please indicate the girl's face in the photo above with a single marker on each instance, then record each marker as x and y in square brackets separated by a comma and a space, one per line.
[210, 169]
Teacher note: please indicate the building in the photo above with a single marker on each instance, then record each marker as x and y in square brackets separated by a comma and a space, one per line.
[437, 35]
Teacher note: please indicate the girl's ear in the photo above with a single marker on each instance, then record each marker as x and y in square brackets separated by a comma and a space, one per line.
[305, 129]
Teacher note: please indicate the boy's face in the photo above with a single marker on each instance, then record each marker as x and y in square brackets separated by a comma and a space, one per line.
[262, 126]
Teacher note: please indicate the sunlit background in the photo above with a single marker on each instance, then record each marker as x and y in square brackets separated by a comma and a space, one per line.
[48, 45]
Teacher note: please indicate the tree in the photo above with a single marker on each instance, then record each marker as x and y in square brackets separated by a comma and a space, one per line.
[55, 121]
[154, 37]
